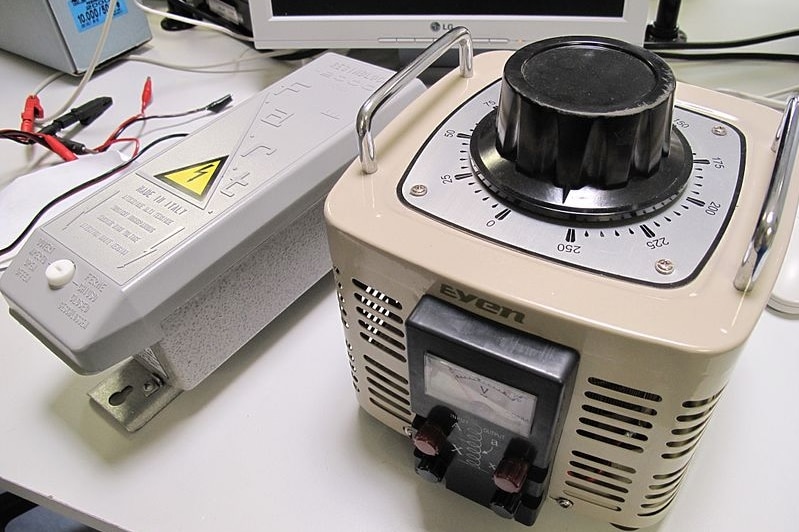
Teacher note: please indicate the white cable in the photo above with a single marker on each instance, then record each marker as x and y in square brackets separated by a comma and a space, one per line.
[44, 84]
[212, 67]
[763, 100]
[95, 60]
[209, 68]
[193, 22]
[787, 90]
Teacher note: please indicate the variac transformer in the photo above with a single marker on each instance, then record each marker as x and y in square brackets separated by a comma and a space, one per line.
[548, 265]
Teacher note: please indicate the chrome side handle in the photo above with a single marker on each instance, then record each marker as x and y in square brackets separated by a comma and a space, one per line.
[398, 81]
[786, 145]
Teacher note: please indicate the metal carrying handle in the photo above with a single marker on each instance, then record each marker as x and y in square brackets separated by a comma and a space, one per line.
[785, 144]
[363, 123]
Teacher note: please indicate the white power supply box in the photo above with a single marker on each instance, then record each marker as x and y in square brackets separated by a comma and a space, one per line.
[181, 261]
[63, 34]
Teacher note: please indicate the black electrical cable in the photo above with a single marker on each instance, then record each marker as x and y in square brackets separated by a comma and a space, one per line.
[84, 186]
[752, 56]
[64, 148]
[22, 137]
[657, 45]
[215, 107]
[85, 114]
[195, 11]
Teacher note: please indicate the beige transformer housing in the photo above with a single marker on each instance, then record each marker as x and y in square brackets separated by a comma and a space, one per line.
[654, 361]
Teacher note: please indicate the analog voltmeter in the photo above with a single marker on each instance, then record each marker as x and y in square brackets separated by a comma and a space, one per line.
[491, 402]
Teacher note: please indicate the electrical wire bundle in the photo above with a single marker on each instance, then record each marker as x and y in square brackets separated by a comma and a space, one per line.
[69, 149]
[50, 135]
[79, 188]
[674, 50]
[85, 114]
[146, 98]
[708, 51]
[47, 136]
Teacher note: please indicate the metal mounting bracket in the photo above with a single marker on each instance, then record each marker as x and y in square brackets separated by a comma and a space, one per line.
[133, 394]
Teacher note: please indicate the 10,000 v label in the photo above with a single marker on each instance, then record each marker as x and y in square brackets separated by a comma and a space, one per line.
[90, 13]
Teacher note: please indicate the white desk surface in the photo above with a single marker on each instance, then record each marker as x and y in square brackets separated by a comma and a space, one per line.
[246, 451]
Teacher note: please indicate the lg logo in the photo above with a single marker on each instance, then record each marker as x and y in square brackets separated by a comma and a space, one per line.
[438, 26]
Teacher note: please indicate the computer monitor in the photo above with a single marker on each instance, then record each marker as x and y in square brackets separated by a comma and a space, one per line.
[497, 24]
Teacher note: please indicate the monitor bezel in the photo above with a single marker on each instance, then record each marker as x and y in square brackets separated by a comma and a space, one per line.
[418, 31]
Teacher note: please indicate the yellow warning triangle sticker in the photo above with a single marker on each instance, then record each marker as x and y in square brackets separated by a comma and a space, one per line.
[195, 179]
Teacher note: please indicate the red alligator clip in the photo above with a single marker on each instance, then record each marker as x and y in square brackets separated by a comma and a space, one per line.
[33, 110]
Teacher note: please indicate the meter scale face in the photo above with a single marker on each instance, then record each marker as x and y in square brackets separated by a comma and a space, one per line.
[663, 248]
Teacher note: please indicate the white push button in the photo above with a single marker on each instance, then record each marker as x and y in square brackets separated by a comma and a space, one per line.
[59, 273]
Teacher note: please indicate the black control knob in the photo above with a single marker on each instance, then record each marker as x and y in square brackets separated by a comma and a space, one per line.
[510, 474]
[583, 131]
[431, 468]
[505, 504]
[430, 439]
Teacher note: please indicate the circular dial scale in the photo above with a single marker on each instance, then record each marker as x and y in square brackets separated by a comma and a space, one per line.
[665, 244]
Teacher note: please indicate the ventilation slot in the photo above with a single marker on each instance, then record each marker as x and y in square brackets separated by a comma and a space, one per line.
[686, 434]
[621, 404]
[603, 462]
[342, 303]
[343, 313]
[401, 417]
[597, 482]
[654, 509]
[387, 373]
[374, 385]
[609, 441]
[690, 426]
[598, 477]
[388, 389]
[667, 476]
[582, 497]
[380, 309]
[665, 485]
[383, 347]
[374, 375]
[389, 402]
[657, 502]
[612, 428]
[340, 296]
[353, 370]
[596, 471]
[663, 493]
[378, 332]
[625, 389]
[618, 415]
[380, 324]
[595, 491]
[377, 294]
[664, 489]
